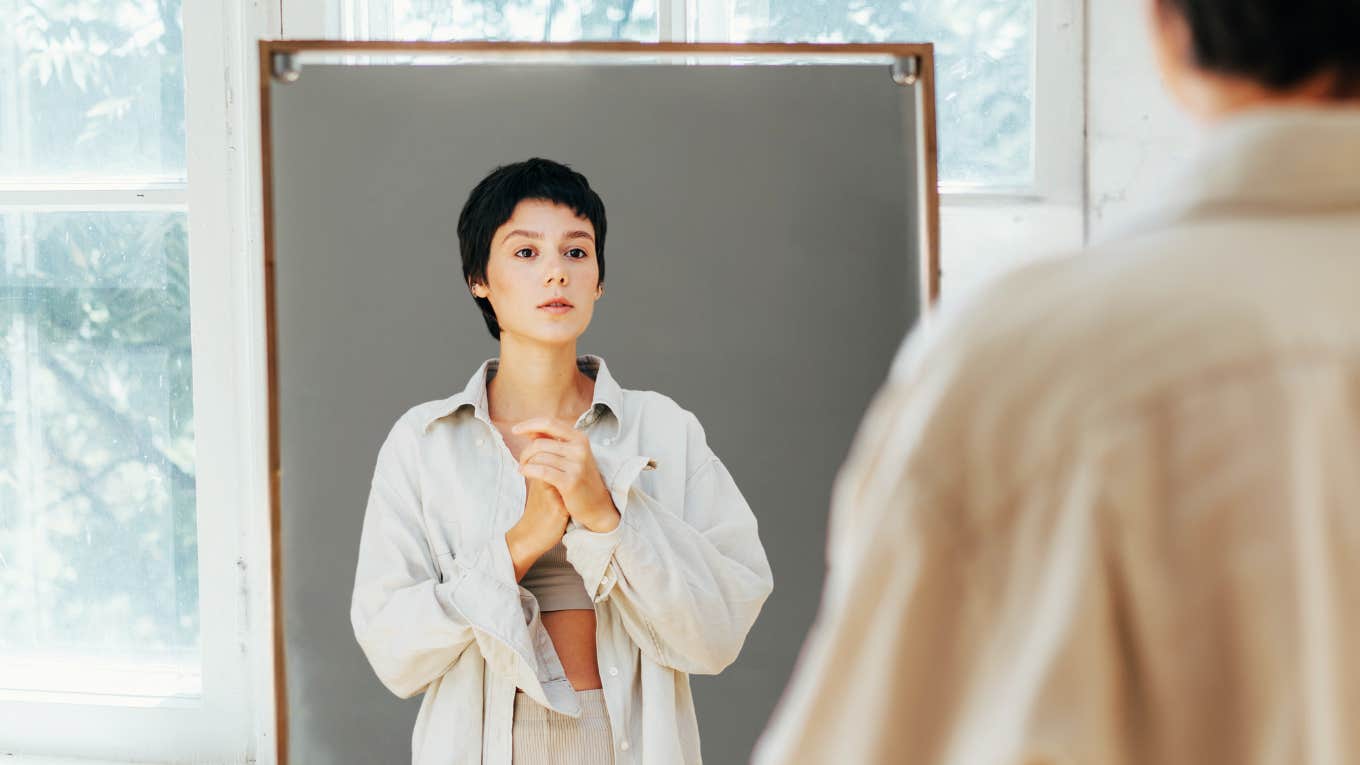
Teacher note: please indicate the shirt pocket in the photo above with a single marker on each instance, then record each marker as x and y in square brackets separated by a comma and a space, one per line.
[443, 564]
[442, 525]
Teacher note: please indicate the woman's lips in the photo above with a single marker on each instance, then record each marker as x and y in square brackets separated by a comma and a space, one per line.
[555, 308]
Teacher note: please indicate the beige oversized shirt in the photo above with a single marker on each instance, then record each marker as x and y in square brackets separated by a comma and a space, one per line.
[1108, 510]
[437, 609]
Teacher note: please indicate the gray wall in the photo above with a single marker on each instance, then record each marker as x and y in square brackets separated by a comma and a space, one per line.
[761, 269]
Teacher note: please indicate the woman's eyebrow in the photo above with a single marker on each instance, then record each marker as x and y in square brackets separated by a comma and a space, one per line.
[537, 235]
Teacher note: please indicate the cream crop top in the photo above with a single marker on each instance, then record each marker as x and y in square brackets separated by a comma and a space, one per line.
[554, 581]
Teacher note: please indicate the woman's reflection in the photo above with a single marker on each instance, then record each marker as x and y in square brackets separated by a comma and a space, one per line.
[546, 554]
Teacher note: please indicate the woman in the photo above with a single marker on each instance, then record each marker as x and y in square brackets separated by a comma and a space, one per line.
[545, 554]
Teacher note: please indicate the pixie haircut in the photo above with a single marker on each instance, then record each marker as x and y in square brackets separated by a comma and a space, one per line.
[493, 201]
[1276, 43]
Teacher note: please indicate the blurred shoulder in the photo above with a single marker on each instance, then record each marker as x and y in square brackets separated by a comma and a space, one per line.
[1128, 319]
[1069, 323]
[994, 385]
[997, 322]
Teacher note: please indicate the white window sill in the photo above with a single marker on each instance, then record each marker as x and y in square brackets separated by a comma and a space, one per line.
[10, 758]
[982, 236]
[72, 680]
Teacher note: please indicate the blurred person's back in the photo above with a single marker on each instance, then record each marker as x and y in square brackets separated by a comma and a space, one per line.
[1108, 510]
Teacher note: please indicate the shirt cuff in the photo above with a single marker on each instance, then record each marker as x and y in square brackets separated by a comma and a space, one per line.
[486, 591]
[592, 552]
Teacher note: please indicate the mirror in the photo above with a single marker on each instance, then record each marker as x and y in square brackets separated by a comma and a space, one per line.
[771, 214]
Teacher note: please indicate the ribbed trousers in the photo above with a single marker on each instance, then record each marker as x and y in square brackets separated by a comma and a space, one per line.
[541, 736]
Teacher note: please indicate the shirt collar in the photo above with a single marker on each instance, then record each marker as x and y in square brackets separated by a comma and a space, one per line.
[608, 394]
[1280, 160]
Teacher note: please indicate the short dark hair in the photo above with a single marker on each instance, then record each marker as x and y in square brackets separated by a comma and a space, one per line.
[1276, 43]
[493, 200]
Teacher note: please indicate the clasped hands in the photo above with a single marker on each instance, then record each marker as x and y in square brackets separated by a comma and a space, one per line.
[561, 457]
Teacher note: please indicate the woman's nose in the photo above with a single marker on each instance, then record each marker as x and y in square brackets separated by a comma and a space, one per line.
[557, 275]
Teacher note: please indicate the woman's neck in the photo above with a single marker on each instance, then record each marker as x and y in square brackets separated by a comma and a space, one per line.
[537, 381]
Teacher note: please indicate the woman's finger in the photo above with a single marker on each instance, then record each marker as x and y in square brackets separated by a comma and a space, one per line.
[543, 446]
[549, 426]
[546, 473]
[555, 461]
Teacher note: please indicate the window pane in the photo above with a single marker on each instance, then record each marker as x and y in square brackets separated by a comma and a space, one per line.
[551, 20]
[985, 88]
[98, 537]
[91, 87]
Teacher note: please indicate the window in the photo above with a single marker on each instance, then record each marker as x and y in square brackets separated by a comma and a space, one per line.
[539, 20]
[984, 51]
[98, 539]
[120, 606]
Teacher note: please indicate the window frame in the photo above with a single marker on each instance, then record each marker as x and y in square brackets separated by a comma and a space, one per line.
[232, 721]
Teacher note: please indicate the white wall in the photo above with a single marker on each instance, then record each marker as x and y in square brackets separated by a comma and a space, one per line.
[980, 240]
[1136, 137]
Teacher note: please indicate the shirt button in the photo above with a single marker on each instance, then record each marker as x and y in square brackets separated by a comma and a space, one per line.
[606, 441]
[623, 745]
[613, 671]
[481, 442]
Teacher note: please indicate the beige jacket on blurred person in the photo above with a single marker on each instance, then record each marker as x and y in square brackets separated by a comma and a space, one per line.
[1108, 510]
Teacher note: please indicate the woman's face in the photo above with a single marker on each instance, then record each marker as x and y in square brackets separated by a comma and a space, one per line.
[544, 251]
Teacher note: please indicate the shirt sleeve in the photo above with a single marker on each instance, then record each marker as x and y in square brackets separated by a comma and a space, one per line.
[412, 622]
[687, 581]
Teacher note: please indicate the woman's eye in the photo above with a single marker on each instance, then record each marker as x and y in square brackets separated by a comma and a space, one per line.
[525, 249]
[578, 249]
